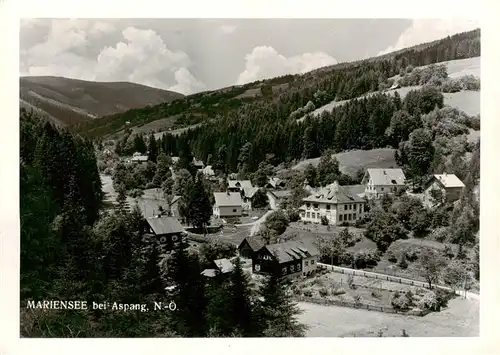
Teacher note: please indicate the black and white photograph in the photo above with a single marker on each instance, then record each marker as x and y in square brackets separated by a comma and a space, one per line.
[249, 177]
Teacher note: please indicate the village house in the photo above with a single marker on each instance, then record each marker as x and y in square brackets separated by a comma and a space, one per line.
[219, 267]
[383, 181]
[227, 204]
[249, 247]
[175, 160]
[198, 164]
[450, 187]
[275, 183]
[278, 198]
[139, 158]
[289, 259]
[208, 171]
[238, 185]
[248, 195]
[167, 230]
[337, 203]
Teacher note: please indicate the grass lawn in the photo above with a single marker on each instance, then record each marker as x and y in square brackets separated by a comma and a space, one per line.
[460, 319]
[350, 162]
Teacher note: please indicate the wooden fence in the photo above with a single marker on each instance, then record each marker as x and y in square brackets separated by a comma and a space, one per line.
[359, 305]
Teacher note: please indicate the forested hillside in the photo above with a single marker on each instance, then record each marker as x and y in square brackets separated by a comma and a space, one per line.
[284, 95]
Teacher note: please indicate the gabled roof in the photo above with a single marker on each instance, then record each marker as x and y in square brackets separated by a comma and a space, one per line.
[164, 225]
[224, 265]
[209, 272]
[274, 181]
[197, 162]
[281, 193]
[175, 199]
[448, 180]
[255, 242]
[227, 199]
[240, 183]
[249, 192]
[292, 250]
[334, 193]
[386, 176]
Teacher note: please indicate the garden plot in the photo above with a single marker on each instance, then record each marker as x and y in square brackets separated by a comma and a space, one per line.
[355, 289]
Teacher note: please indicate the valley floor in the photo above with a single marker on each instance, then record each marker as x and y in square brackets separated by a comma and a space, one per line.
[460, 319]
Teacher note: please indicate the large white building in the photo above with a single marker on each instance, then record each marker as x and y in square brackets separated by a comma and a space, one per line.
[227, 204]
[383, 181]
[337, 203]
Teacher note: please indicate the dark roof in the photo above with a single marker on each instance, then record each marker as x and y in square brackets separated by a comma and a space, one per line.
[165, 225]
[292, 250]
[254, 242]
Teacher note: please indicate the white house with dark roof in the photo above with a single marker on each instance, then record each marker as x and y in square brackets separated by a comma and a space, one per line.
[449, 185]
[227, 204]
[139, 158]
[383, 181]
[248, 194]
[289, 259]
[337, 203]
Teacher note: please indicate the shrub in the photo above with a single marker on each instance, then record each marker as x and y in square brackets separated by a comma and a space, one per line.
[323, 292]
[350, 282]
[391, 257]
[324, 220]
[451, 85]
[308, 293]
[346, 258]
[366, 258]
[338, 291]
[429, 301]
[376, 294]
[411, 255]
[357, 298]
[403, 264]
[293, 215]
[401, 302]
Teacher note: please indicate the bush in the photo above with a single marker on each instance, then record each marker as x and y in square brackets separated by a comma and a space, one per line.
[451, 85]
[324, 220]
[308, 293]
[411, 255]
[403, 264]
[346, 258]
[391, 257]
[376, 294]
[366, 258]
[429, 301]
[401, 302]
[293, 215]
[338, 291]
[323, 292]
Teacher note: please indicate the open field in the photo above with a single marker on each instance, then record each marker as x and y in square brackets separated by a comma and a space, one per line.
[350, 162]
[460, 319]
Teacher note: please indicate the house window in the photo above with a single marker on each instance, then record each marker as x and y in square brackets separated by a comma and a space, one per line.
[292, 268]
[308, 214]
[381, 189]
[345, 207]
[302, 214]
[315, 205]
[257, 267]
[174, 238]
[313, 215]
[340, 217]
[306, 263]
[283, 271]
[163, 239]
[234, 209]
[298, 267]
[354, 216]
[312, 262]
[349, 216]
[308, 205]
[328, 207]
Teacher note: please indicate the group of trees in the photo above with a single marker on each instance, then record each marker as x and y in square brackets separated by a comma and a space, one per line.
[71, 249]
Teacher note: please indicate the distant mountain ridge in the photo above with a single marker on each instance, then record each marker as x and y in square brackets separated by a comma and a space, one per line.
[68, 101]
